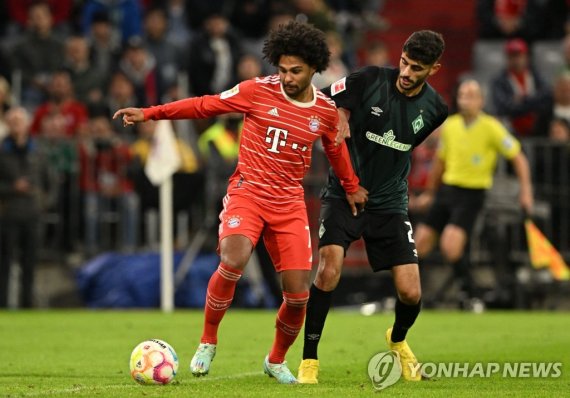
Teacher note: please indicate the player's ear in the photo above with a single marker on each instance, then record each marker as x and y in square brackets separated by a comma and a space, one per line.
[434, 69]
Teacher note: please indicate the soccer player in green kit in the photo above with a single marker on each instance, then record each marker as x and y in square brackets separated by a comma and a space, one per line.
[389, 112]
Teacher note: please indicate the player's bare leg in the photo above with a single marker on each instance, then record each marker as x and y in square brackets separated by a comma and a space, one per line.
[235, 251]
[407, 283]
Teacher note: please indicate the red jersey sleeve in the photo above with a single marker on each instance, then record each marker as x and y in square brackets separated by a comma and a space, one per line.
[339, 159]
[236, 99]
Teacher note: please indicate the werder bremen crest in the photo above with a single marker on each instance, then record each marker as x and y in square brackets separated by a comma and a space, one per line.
[417, 124]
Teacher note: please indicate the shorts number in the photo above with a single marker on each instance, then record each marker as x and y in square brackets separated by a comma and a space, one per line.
[410, 232]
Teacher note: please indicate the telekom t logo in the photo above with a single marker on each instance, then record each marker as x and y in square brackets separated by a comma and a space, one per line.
[277, 138]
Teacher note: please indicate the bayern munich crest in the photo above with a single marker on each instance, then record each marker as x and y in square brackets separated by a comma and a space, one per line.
[234, 221]
[314, 123]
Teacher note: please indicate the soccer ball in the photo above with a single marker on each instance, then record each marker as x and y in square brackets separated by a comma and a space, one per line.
[153, 362]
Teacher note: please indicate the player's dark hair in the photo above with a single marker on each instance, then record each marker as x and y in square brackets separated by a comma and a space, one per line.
[298, 39]
[424, 46]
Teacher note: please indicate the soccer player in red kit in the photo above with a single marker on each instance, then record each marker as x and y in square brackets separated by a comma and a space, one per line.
[283, 115]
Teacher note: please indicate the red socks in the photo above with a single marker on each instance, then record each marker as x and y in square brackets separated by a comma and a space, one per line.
[221, 289]
[290, 316]
[288, 324]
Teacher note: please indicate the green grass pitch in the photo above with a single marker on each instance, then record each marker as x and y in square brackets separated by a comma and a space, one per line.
[85, 353]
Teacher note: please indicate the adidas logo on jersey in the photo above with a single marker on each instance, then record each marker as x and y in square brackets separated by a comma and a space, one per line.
[273, 112]
[376, 111]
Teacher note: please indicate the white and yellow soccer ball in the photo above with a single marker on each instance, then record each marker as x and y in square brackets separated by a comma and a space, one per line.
[153, 362]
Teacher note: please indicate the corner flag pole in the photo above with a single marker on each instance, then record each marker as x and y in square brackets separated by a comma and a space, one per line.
[166, 247]
[162, 163]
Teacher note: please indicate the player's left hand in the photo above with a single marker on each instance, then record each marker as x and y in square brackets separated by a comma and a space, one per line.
[343, 127]
[357, 200]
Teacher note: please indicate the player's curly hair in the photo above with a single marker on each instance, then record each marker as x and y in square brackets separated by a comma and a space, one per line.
[425, 46]
[298, 39]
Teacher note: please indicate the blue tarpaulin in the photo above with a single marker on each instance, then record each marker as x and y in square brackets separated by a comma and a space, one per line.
[114, 280]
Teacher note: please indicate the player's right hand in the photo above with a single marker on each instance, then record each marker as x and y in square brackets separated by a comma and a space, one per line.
[357, 200]
[130, 116]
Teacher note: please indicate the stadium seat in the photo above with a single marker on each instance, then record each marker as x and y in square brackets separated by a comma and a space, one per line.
[488, 59]
[548, 58]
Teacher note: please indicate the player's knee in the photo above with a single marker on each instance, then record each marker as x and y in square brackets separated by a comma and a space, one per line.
[330, 266]
[451, 251]
[410, 295]
[234, 262]
[327, 278]
[425, 241]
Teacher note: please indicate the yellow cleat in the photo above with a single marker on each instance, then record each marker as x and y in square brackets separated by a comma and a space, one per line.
[308, 371]
[408, 361]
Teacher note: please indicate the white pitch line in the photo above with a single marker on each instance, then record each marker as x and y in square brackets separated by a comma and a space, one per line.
[229, 377]
[77, 389]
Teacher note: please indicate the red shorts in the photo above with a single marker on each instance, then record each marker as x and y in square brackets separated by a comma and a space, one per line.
[285, 231]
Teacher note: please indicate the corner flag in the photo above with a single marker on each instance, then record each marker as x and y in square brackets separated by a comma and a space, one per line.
[164, 158]
[543, 254]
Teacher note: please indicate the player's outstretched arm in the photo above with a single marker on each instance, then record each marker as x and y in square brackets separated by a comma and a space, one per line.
[130, 115]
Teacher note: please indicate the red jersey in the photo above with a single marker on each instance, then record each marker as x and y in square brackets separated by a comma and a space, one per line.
[74, 113]
[277, 137]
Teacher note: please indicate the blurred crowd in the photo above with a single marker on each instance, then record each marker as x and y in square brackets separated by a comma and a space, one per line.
[68, 171]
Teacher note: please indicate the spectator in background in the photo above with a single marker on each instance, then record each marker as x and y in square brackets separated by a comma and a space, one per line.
[462, 172]
[61, 100]
[25, 189]
[251, 18]
[559, 130]
[528, 19]
[249, 66]
[501, 18]
[353, 18]
[87, 79]
[519, 93]
[121, 93]
[281, 14]
[179, 32]
[104, 43]
[5, 100]
[315, 12]
[376, 53]
[126, 16]
[61, 11]
[37, 55]
[169, 55]
[213, 57]
[61, 153]
[200, 10]
[558, 107]
[337, 69]
[105, 183]
[140, 66]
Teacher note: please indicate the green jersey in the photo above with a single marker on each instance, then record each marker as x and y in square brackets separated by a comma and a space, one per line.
[385, 127]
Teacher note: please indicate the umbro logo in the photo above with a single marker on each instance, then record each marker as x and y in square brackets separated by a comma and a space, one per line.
[273, 112]
[376, 111]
